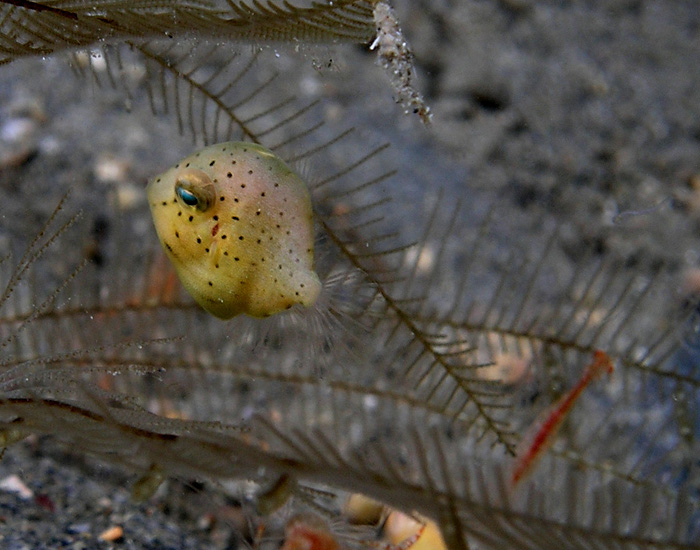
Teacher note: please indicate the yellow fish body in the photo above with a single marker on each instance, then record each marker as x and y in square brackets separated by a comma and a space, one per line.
[237, 224]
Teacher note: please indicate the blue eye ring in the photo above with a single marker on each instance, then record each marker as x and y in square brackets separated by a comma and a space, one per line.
[194, 189]
[186, 196]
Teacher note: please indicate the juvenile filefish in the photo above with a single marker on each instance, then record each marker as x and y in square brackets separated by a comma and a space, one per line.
[534, 447]
[237, 225]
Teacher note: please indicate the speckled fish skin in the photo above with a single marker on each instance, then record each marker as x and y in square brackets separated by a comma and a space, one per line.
[237, 224]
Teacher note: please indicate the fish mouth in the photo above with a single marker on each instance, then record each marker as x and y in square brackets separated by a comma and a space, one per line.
[171, 252]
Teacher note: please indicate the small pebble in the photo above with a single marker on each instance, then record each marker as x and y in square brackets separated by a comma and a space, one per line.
[13, 484]
[507, 368]
[363, 510]
[78, 528]
[112, 534]
[426, 258]
[109, 169]
[129, 196]
[17, 142]
[17, 130]
[406, 532]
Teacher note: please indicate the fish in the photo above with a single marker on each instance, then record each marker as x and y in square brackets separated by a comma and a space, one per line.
[237, 224]
[532, 448]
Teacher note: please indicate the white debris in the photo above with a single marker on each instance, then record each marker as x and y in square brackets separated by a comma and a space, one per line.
[13, 484]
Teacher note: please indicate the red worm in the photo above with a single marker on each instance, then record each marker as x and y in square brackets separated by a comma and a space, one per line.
[544, 436]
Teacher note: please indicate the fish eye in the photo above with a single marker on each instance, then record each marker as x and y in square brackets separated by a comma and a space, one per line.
[188, 197]
[194, 189]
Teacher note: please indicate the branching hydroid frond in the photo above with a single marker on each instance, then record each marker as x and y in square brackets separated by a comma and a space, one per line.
[29, 31]
[181, 404]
